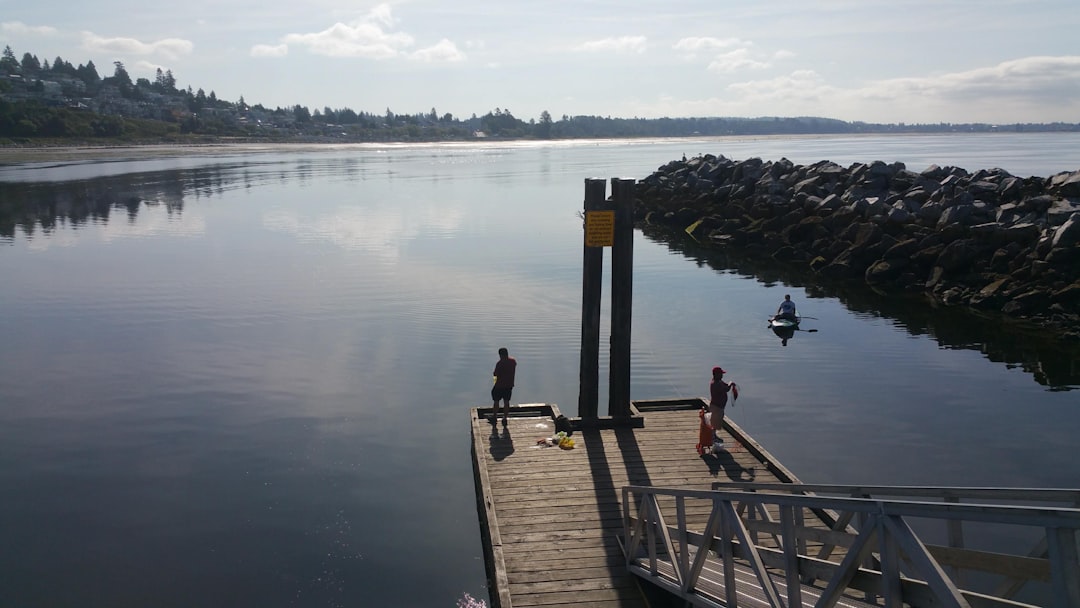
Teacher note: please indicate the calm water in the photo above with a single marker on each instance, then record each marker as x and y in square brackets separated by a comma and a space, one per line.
[243, 378]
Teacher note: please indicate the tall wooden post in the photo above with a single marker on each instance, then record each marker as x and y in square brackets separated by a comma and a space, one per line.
[591, 289]
[622, 279]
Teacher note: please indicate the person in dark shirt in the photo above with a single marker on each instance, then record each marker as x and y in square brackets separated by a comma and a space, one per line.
[504, 384]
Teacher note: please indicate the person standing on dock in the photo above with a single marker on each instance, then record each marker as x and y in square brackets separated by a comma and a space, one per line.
[504, 384]
[787, 309]
[718, 392]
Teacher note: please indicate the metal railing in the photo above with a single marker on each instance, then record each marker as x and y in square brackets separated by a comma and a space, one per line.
[777, 545]
[1008, 587]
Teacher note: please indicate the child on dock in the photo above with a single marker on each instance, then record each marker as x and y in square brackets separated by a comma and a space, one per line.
[718, 392]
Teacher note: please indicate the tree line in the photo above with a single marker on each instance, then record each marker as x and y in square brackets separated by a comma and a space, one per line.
[58, 100]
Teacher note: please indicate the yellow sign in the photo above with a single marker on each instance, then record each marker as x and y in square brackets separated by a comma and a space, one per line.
[599, 228]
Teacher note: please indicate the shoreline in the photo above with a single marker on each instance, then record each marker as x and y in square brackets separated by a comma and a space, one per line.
[10, 155]
[86, 151]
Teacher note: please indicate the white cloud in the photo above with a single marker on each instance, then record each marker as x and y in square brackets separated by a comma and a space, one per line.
[171, 48]
[381, 14]
[147, 67]
[18, 27]
[366, 40]
[443, 52]
[1033, 78]
[623, 44]
[802, 85]
[269, 50]
[371, 37]
[997, 93]
[738, 59]
[693, 45]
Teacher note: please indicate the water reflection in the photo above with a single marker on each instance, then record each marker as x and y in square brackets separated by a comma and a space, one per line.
[30, 207]
[784, 333]
[1051, 361]
[44, 197]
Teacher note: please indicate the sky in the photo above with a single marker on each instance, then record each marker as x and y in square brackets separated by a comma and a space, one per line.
[900, 61]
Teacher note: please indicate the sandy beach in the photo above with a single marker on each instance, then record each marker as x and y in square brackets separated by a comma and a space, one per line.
[38, 154]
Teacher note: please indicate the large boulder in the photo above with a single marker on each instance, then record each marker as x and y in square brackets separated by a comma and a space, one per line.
[1059, 212]
[1067, 234]
[992, 295]
[1066, 184]
[886, 271]
[959, 255]
[958, 215]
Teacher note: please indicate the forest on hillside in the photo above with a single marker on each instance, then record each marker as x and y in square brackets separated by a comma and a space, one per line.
[57, 101]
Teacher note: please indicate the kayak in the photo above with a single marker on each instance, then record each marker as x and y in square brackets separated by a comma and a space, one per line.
[776, 323]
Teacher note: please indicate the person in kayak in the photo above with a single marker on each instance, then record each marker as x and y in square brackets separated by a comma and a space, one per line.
[787, 309]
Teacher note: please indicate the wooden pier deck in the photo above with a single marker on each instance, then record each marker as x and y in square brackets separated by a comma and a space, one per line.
[551, 517]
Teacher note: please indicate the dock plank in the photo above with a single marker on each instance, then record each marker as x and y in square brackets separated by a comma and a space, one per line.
[550, 517]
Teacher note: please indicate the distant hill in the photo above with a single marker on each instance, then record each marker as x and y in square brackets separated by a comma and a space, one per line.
[44, 103]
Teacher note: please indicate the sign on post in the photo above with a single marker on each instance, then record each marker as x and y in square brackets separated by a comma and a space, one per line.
[599, 228]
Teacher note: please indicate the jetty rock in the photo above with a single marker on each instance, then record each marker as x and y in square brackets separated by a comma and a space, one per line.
[989, 240]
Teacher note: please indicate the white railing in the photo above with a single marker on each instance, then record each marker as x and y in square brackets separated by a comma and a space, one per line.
[767, 546]
[952, 553]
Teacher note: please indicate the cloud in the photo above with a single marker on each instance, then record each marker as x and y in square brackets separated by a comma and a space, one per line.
[1043, 89]
[1034, 78]
[733, 60]
[739, 59]
[268, 50]
[171, 48]
[443, 52]
[801, 85]
[369, 37]
[147, 67]
[623, 44]
[381, 14]
[693, 45]
[364, 39]
[18, 27]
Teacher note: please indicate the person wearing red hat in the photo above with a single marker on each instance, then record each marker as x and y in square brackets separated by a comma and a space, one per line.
[718, 397]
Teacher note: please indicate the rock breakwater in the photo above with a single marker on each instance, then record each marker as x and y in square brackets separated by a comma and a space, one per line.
[988, 240]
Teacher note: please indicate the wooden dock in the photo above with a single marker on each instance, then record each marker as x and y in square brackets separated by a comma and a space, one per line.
[551, 517]
[737, 528]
